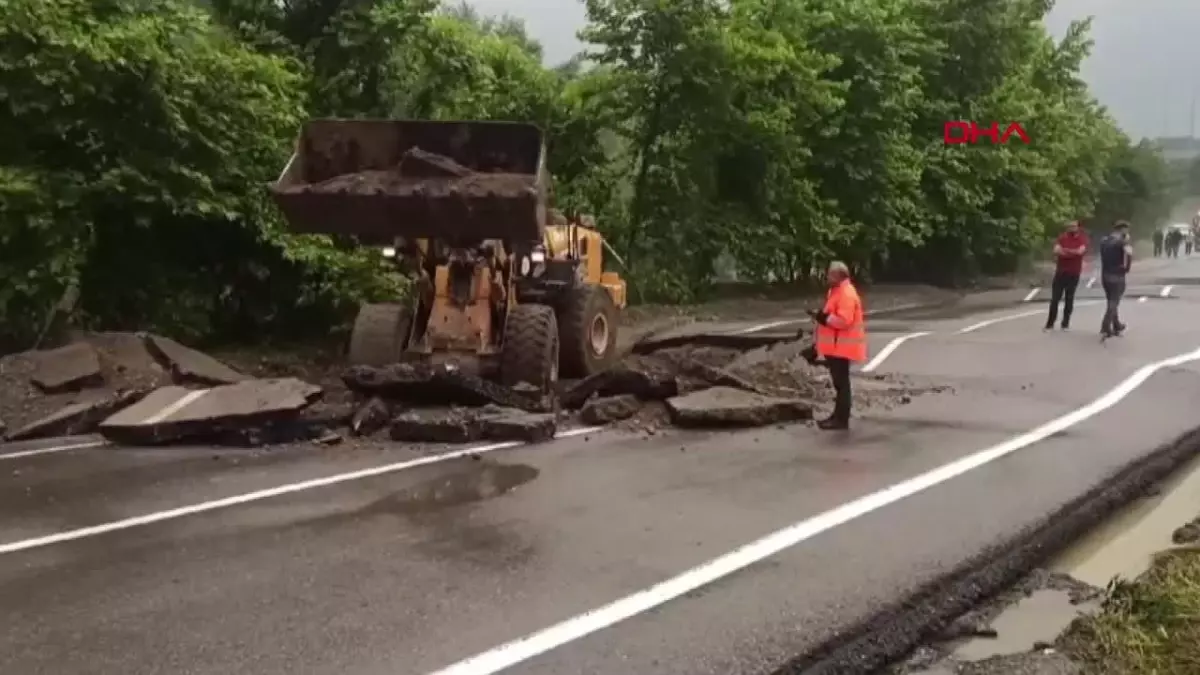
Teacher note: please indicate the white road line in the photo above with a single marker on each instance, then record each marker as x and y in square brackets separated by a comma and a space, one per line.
[1166, 291]
[181, 403]
[1091, 282]
[517, 651]
[1032, 295]
[1009, 317]
[258, 495]
[52, 449]
[888, 349]
[991, 322]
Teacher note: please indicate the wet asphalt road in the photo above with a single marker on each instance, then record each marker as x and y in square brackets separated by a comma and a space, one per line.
[394, 574]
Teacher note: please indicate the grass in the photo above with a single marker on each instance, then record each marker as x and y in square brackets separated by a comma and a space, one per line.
[1150, 626]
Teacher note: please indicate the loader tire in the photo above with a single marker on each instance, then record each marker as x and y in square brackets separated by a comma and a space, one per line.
[380, 334]
[530, 351]
[587, 327]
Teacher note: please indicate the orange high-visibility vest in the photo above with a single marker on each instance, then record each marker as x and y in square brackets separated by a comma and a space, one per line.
[850, 342]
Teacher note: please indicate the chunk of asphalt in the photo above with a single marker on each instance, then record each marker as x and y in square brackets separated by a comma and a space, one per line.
[370, 417]
[71, 368]
[445, 426]
[526, 427]
[728, 407]
[81, 417]
[176, 413]
[437, 384]
[646, 380]
[710, 338]
[610, 409]
[189, 366]
[715, 377]
[329, 438]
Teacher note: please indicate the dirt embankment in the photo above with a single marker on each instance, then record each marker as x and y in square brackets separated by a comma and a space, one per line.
[1053, 624]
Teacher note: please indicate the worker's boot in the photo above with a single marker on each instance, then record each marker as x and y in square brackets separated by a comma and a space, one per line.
[833, 424]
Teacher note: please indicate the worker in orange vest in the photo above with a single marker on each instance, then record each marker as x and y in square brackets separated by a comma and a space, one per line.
[841, 338]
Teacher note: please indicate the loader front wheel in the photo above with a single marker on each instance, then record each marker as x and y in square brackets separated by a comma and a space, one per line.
[380, 334]
[530, 351]
[588, 330]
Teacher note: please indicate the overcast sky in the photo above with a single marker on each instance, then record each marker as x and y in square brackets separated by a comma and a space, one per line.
[1144, 65]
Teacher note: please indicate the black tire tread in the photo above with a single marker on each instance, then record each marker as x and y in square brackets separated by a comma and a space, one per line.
[575, 321]
[530, 350]
[379, 334]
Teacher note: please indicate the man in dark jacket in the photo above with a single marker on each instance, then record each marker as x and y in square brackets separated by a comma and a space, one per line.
[1116, 257]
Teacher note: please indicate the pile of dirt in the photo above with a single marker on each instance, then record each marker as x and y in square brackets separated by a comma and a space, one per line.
[420, 172]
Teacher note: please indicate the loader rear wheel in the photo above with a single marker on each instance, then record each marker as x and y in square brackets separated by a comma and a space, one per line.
[588, 329]
[380, 334]
[530, 351]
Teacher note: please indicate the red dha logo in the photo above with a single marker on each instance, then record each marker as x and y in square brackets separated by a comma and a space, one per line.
[956, 133]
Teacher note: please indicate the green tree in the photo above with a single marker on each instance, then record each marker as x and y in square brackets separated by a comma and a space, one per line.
[152, 200]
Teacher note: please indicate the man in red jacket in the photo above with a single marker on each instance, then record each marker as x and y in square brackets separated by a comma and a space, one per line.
[1069, 251]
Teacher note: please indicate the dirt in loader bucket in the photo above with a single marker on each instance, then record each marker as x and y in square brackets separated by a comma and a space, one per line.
[378, 180]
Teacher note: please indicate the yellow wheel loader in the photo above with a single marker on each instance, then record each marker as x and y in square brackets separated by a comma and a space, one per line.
[504, 287]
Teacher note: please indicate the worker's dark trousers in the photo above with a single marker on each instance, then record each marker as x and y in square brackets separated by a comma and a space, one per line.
[839, 372]
[1158, 246]
[1114, 290]
[1062, 288]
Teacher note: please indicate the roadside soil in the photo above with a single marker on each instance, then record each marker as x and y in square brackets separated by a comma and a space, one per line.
[1149, 624]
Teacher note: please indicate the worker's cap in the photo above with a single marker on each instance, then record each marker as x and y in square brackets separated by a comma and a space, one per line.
[1121, 225]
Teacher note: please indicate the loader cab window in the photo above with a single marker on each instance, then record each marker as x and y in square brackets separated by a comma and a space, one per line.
[583, 247]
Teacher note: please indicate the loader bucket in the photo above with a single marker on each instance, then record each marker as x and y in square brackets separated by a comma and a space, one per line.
[381, 179]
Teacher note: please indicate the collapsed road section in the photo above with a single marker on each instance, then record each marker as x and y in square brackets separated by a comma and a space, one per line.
[145, 389]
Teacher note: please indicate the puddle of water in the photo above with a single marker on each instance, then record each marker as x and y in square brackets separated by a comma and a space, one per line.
[473, 484]
[1123, 545]
[1040, 617]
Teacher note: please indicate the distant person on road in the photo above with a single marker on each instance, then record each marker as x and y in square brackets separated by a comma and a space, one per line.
[1159, 235]
[840, 338]
[1174, 239]
[1116, 257]
[1069, 251]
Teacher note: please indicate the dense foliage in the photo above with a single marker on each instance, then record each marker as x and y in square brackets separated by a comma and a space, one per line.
[758, 136]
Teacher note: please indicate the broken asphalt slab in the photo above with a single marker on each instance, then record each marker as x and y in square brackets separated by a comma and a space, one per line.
[610, 409]
[370, 417]
[464, 425]
[725, 407]
[520, 426]
[188, 365]
[76, 418]
[175, 413]
[726, 335]
[70, 368]
[644, 378]
[437, 384]
[451, 426]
